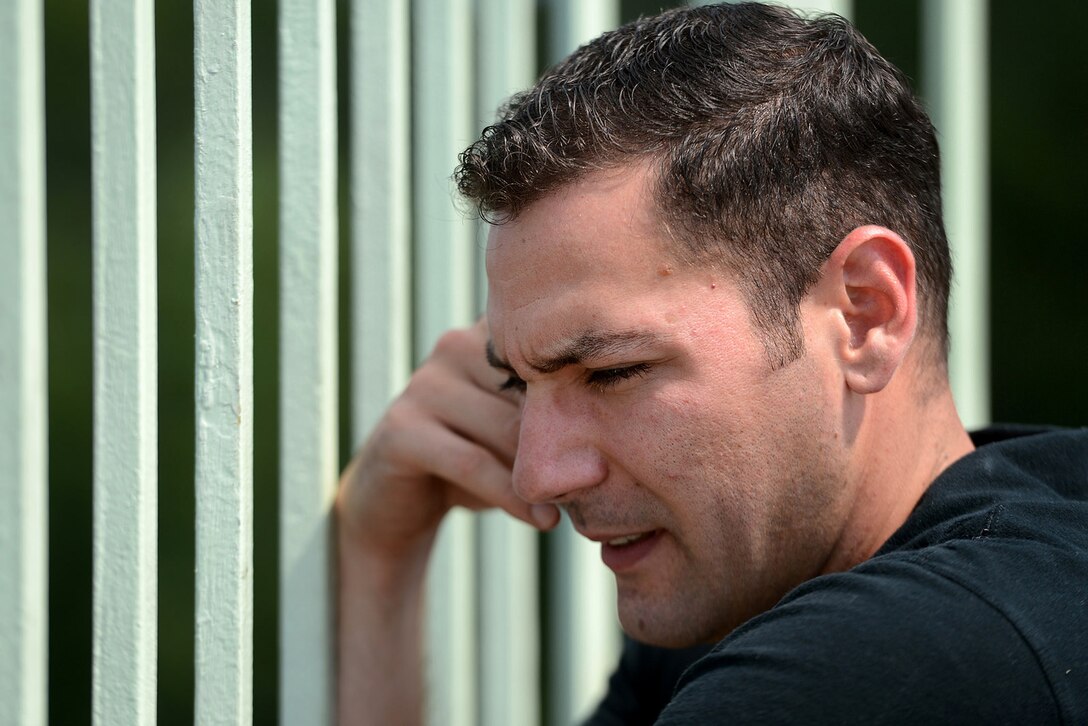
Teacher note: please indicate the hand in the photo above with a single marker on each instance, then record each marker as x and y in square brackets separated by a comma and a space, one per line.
[449, 439]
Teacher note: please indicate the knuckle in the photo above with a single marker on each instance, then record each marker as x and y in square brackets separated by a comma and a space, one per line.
[429, 381]
[387, 442]
[398, 417]
[452, 343]
[417, 386]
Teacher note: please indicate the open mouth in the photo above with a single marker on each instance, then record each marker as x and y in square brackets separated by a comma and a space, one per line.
[629, 539]
[624, 552]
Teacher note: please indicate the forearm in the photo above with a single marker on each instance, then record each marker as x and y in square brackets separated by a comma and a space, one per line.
[380, 622]
[446, 441]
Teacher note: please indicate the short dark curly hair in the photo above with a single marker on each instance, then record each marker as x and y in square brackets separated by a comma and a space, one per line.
[772, 136]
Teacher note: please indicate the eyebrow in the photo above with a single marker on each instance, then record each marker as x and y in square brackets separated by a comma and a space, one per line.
[584, 347]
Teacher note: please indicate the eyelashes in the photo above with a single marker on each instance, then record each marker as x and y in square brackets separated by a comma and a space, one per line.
[609, 377]
[601, 379]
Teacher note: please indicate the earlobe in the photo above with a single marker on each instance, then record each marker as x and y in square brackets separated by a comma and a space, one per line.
[871, 279]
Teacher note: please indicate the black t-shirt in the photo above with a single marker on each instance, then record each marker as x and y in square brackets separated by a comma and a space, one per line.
[974, 611]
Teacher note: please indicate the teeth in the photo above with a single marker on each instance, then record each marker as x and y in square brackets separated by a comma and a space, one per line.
[627, 539]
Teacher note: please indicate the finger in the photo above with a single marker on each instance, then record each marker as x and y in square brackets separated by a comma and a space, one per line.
[478, 477]
[542, 516]
[485, 418]
[464, 352]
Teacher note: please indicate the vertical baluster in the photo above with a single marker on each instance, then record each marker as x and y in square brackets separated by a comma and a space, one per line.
[954, 71]
[125, 362]
[574, 22]
[224, 363]
[443, 276]
[381, 325]
[380, 208]
[23, 417]
[842, 7]
[509, 612]
[308, 379]
[585, 634]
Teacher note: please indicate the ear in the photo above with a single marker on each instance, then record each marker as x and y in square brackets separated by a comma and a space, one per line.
[869, 283]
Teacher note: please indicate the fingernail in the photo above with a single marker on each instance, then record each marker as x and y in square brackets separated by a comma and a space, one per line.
[544, 515]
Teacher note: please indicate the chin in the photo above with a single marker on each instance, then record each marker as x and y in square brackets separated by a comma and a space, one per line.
[669, 625]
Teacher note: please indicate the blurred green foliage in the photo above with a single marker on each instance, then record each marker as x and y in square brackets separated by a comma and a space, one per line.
[1039, 123]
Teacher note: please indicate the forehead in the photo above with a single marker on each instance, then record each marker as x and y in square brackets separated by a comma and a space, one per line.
[592, 259]
[603, 220]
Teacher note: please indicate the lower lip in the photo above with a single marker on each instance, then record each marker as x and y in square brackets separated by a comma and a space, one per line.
[624, 557]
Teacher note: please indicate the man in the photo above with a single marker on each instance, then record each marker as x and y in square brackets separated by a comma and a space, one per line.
[716, 338]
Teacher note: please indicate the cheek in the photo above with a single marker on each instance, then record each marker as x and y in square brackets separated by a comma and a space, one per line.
[726, 460]
[693, 455]
[703, 427]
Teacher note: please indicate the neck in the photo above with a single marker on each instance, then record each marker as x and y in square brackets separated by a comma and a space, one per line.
[904, 441]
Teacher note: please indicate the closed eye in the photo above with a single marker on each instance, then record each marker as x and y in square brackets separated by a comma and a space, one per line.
[605, 378]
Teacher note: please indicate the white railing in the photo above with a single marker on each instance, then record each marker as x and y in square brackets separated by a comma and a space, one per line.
[955, 62]
[125, 565]
[308, 357]
[416, 99]
[23, 460]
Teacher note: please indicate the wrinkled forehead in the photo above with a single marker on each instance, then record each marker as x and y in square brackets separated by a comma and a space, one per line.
[602, 220]
[590, 262]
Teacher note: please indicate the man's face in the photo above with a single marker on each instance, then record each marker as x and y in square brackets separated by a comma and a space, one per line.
[651, 413]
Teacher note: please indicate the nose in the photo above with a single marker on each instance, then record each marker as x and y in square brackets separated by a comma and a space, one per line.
[557, 454]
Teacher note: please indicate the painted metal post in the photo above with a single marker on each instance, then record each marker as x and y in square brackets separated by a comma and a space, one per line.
[585, 637]
[23, 417]
[442, 46]
[308, 352]
[224, 362]
[125, 363]
[381, 341]
[955, 83]
[574, 22]
[509, 574]
[844, 8]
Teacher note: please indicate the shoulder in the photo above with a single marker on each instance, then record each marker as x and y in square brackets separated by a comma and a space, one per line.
[893, 643]
[976, 611]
